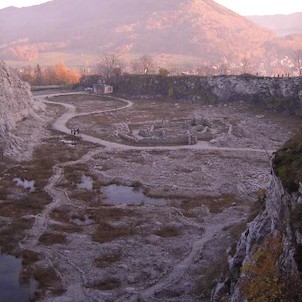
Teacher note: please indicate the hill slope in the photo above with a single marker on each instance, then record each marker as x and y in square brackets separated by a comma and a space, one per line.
[197, 28]
[280, 24]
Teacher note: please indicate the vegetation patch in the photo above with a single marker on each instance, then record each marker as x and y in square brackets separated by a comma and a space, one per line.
[107, 260]
[105, 232]
[106, 284]
[48, 280]
[168, 231]
[287, 163]
[53, 238]
[263, 278]
[12, 233]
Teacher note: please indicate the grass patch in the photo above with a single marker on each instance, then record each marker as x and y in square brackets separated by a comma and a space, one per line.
[61, 214]
[105, 232]
[29, 257]
[48, 281]
[53, 238]
[106, 284]
[11, 234]
[208, 281]
[167, 232]
[107, 260]
[214, 204]
[66, 228]
[287, 163]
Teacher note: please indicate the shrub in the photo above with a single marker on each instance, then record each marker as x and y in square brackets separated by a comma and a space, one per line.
[263, 280]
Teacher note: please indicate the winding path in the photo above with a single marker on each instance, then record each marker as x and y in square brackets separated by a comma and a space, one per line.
[59, 197]
[60, 125]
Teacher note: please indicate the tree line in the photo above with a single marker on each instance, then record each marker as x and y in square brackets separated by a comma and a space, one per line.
[58, 74]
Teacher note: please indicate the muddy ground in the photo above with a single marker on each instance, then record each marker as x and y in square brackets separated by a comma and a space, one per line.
[79, 247]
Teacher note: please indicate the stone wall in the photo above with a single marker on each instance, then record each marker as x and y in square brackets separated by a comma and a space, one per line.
[278, 94]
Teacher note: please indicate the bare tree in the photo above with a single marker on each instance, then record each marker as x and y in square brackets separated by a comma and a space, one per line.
[108, 65]
[298, 60]
[143, 64]
[245, 65]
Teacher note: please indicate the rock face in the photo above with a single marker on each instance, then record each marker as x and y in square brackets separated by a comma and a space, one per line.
[282, 216]
[16, 104]
[278, 94]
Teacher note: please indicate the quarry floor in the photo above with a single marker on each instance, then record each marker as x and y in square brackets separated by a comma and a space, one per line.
[79, 247]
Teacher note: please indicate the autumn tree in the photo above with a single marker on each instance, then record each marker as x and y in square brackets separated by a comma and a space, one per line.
[61, 75]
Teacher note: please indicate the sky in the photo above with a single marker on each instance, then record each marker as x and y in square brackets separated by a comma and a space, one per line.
[242, 7]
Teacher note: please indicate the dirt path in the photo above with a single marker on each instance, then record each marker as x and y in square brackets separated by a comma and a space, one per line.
[60, 125]
[31, 241]
[77, 280]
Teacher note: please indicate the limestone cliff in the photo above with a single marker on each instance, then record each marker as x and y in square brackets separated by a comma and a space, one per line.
[268, 260]
[277, 94]
[16, 105]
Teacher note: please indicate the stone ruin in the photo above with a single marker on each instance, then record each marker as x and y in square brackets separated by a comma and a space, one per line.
[162, 132]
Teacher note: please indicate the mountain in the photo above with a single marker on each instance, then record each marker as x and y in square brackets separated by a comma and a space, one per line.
[78, 30]
[281, 25]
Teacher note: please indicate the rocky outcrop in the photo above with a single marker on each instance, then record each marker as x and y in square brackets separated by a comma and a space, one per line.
[281, 217]
[16, 104]
[278, 94]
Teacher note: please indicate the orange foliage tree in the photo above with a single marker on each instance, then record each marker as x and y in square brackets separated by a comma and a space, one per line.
[60, 75]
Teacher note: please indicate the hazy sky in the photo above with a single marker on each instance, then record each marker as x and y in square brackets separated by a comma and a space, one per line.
[243, 7]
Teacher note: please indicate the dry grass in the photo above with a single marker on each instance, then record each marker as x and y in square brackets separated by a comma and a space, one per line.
[167, 232]
[105, 232]
[207, 282]
[61, 214]
[29, 257]
[11, 234]
[48, 281]
[66, 228]
[107, 260]
[53, 238]
[106, 284]
[215, 204]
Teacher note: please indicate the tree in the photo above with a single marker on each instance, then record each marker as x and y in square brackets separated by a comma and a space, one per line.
[143, 64]
[298, 61]
[109, 66]
[245, 65]
[163, 72]
[38, 75]
[61, 75]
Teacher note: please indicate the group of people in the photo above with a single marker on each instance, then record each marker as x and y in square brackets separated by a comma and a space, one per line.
[75, 131]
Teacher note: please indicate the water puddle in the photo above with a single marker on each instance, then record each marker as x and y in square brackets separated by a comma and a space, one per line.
[11, 288]
[124, 195]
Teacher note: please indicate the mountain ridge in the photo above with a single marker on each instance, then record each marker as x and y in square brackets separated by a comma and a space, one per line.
[199, 29]
[174, 32]
[280, 24]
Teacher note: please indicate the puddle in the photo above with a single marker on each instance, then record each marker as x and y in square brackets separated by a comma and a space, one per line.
[26, 184]
[11, 289]
[124, 195]
[86, 183]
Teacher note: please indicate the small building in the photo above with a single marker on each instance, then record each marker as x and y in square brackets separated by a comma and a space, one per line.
[102, 88]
